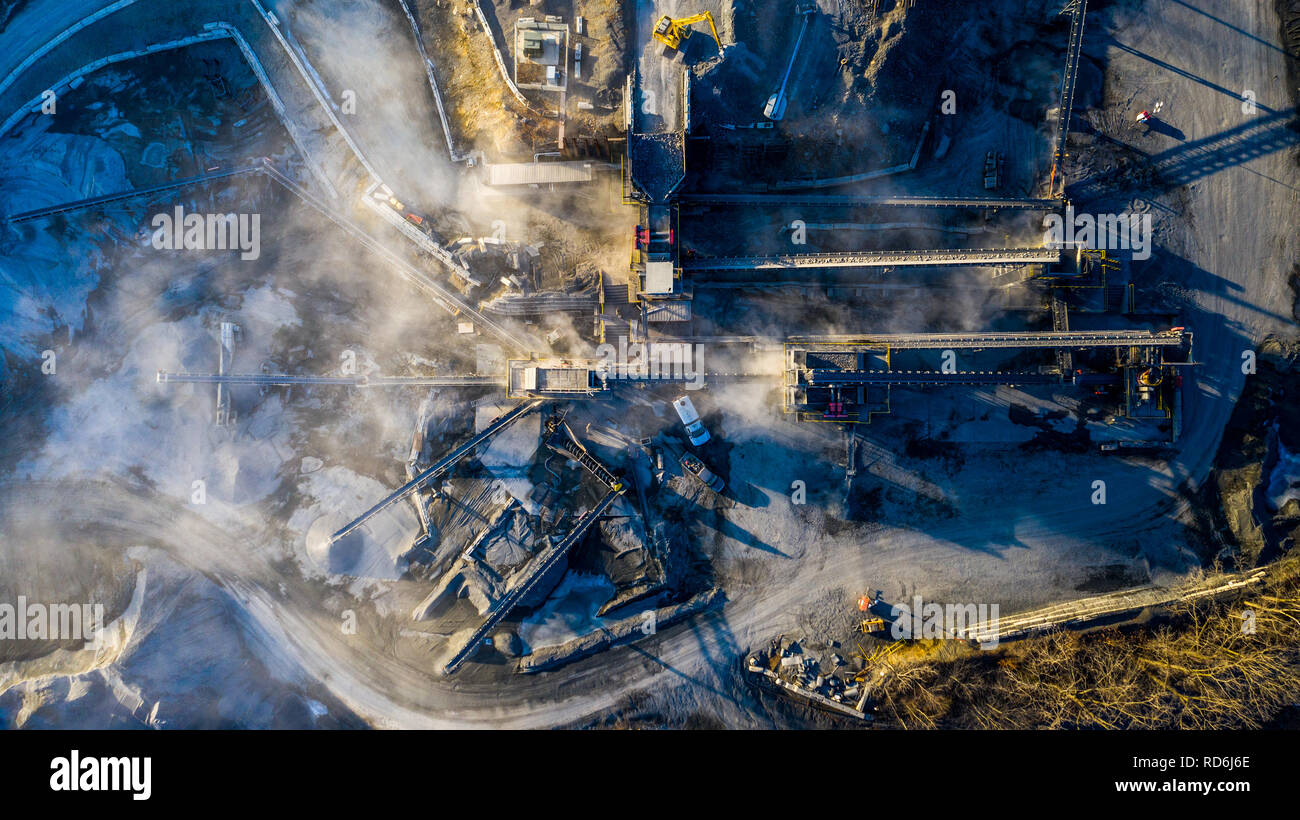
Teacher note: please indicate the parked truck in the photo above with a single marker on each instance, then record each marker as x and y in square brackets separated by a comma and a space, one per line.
[691, 421]
[707, 477]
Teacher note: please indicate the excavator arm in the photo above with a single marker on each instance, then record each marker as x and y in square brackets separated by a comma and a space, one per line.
[671, 32]
[712, 28]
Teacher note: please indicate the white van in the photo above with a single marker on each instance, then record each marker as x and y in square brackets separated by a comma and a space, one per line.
[691, 420]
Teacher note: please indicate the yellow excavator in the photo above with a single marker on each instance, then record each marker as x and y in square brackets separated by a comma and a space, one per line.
[672, 32]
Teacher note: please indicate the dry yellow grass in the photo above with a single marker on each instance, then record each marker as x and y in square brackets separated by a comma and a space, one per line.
[482, 111]
[1202, 671]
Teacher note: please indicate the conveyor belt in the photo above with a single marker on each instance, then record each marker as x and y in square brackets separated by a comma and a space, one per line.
[837, 378]
[526, 306]
[561, 440]
[1073, 51]
[441, 467]
[845, 201]
[874, 259]
[943, 341]
[90, 202]
[280, 379]
[541, 565]
[442, 295]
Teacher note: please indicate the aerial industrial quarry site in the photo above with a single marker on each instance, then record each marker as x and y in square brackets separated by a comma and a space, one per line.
[689, 364]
